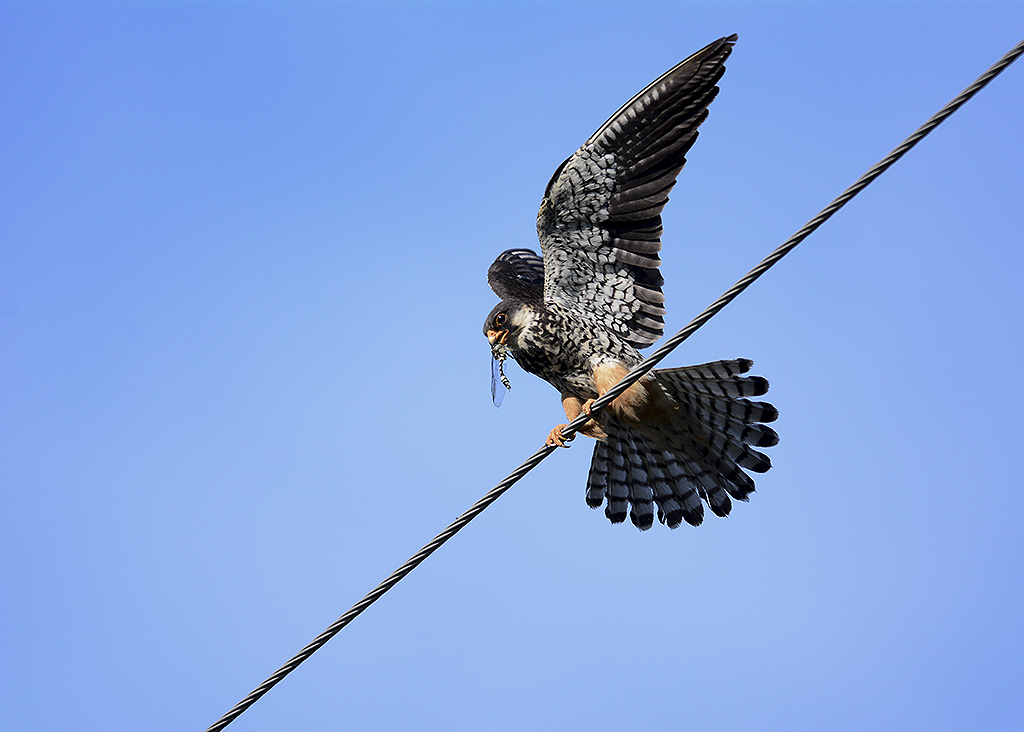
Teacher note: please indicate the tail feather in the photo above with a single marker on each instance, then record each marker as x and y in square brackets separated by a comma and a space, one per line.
[635, 476]
[713, 370]
[684, 494]
[741, 410]
[670, 510]
[715, 382]
[597, 481]
[743, 455]
[641, 490]
[738, 430]
[718, 452]
[709, 485]
[618, 483]
[700, 454]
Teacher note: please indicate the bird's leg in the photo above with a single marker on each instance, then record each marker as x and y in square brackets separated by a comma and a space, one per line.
[626, 406]
[573, 408]
[555, 438]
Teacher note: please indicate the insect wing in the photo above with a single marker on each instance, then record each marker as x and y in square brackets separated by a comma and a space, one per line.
[497, 388]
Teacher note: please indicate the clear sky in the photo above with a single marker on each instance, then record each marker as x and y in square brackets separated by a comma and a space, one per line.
[242, 376]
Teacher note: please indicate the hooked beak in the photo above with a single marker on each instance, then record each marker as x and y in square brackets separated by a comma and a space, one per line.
[496, 337]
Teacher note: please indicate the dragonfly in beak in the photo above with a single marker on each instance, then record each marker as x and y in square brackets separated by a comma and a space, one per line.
[499, 352]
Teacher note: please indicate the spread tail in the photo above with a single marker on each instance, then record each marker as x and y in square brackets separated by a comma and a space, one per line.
[697, 456]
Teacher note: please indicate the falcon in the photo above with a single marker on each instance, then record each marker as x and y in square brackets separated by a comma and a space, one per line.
[577, 316]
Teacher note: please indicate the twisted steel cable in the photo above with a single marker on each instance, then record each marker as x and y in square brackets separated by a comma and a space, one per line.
[637, 372]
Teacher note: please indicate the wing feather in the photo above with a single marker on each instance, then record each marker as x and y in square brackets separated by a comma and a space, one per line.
[600, 219]
[517, 273]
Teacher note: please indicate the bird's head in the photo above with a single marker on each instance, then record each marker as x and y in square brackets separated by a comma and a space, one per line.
[504, 325]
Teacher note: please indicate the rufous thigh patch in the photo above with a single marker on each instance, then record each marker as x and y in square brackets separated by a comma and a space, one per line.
[628, 405]
[573, 408]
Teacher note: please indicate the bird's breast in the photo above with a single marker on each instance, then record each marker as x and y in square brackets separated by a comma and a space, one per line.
[555, 351]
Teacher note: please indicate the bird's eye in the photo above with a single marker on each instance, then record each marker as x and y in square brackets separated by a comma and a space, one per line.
[500, 319]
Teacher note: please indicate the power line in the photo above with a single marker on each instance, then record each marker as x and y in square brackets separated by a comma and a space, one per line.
[638, 371]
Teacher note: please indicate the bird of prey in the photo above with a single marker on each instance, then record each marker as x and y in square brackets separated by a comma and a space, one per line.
[577, 315]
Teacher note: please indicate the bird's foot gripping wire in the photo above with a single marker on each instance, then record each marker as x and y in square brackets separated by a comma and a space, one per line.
[555, 439]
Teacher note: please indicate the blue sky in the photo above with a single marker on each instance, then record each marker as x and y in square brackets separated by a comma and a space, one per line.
[242, 278]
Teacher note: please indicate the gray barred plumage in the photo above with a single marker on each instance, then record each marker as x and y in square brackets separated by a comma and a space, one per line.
[577, 315]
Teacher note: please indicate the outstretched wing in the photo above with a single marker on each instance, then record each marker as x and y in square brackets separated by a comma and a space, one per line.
[600, 220]
[517, 274]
